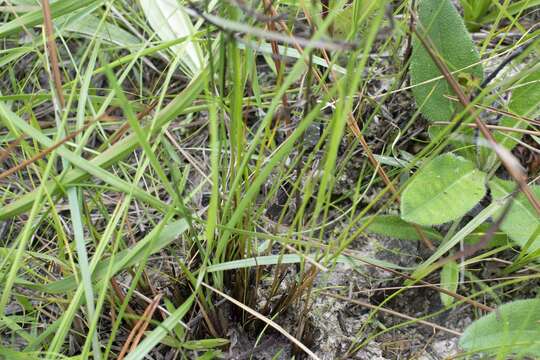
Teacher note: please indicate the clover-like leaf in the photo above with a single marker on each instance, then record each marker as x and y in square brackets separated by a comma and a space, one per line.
[440, 22]
[443, 190]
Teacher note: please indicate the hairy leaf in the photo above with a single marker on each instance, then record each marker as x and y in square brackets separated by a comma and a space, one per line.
[513, 328]
[444, 190]
[440, 22]
[522, 223]
[394, 226]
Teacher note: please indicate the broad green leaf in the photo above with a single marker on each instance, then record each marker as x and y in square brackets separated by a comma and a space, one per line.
[525, 101]
[440, 22]
[513, 328]
[522, 221]
[443, 190]
[449, 281]
[169, 20]
[394, 226]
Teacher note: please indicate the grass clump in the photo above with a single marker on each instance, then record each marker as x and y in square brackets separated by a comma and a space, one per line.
[224, 179]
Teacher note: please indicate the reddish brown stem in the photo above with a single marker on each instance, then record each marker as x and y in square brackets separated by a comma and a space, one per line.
[52, 51]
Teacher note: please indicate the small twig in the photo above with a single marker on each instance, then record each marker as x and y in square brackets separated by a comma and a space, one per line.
[393, 312]
[122, 129]
[138, 330]
[427, 284]
[43, 153]
[148, 300]
[121, 297]
[233, 26]
[266, 320]
[499, 111]
[147, 316]
[256, 15]
[494, 127]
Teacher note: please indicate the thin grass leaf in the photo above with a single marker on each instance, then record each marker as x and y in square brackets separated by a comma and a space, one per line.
[35, 17]
[156, 335]
[80, 162]
[114, 153]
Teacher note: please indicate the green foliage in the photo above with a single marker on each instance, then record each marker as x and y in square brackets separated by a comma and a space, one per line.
[35, 17]
[171, 176]
[111, 155]
[90, 26]
[522, 223]
[513, 329]
[449, 281]
[394, 226]
[461, 141]
[443, 190]
[155, 336]
[525, 101]
[508, 10]
[473, 11]
[482, 12]
[346, 18]
[204, 344]
[440, 22]
[170, 21]
[500, 238]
